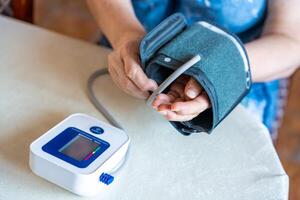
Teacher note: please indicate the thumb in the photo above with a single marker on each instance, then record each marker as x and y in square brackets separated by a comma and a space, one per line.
[192, 89]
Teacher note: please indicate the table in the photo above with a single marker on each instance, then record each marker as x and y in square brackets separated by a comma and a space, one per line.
[43, 80]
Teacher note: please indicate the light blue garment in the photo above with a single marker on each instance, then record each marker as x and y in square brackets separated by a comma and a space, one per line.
[234, 15]
[243, 17]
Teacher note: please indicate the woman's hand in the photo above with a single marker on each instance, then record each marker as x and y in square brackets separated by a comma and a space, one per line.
[185, 100]
[117, 21]
[125, 69]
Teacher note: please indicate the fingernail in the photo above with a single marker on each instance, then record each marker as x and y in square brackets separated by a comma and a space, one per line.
[163, 112]
[173, 108]
[191, 93]
[153, 85]
[154, 106]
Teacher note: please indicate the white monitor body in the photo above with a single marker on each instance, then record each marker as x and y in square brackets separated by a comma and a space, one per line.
[60, 169]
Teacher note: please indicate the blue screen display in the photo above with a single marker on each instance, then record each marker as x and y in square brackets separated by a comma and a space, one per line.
[80, 148]
[76, 147]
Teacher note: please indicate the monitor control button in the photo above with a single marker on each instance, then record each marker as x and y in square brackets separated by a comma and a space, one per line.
[96, 130]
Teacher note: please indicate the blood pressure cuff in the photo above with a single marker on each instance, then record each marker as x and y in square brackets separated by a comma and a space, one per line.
[223, 71]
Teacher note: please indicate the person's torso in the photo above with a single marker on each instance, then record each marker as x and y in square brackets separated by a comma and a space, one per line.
[237, 16]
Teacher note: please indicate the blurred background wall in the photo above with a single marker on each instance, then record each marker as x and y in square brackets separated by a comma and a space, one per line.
[70, 17]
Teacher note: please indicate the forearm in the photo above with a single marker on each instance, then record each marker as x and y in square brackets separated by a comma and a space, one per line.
[277, 53]
[116, 19]
[273, 56]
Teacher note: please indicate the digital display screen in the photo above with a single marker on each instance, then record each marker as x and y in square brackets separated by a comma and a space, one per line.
[80, 148]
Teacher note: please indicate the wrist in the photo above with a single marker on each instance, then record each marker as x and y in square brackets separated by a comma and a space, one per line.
[130, 34]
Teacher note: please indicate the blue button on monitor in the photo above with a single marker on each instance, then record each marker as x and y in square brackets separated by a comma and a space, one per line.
[96, 130]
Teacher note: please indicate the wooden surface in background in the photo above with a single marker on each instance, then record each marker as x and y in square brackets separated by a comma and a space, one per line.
[70, 17]
[288, 143]
[23, 9]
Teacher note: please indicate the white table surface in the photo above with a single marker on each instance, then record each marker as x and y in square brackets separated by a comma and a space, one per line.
[43, 80]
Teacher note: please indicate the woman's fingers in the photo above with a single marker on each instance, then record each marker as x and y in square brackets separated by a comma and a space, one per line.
[161, 99]
[165, 110]
[177, 88]
[123, 82]
[192, 89]
[184, 110]
[174, 116]
[168, 98]
[162, 109]
[126, 71]
[185, 100]
[135, 73]
[195, 106]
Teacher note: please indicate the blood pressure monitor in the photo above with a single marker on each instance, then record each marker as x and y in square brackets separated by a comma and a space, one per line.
[79, 153]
